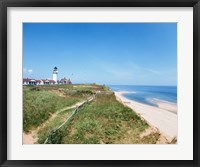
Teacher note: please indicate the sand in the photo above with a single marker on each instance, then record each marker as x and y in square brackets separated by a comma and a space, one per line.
[163, 117]
[28, 138]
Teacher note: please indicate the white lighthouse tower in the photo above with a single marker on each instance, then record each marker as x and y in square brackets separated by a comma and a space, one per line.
[55, 74]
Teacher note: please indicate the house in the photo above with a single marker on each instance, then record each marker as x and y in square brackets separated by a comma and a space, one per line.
[47, 82]
[30, 81]
[39, 82]
[65, 81]
[52, 82]
[26, 81]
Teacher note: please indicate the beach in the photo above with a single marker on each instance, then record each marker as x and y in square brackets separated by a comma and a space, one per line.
[162, 117]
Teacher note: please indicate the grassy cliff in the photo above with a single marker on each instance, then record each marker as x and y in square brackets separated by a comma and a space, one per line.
[40, 102]
[101, 121]
[106, 121]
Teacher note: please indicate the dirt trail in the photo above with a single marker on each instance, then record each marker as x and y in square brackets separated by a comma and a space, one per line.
[30, 138]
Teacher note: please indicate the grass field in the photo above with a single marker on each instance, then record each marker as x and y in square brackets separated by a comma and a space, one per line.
[106, 121]
[40, 102]
[101, 121]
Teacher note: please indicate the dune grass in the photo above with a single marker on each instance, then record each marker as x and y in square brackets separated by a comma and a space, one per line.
[40, 102]
[106, 121]
[102, 121]
[51, 125]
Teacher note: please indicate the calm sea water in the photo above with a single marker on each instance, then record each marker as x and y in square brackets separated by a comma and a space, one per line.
[148, 94]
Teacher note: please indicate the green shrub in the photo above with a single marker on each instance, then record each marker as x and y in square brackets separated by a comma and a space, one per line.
[39, 105]
[104, 120]
[87, 126]
[55, 137]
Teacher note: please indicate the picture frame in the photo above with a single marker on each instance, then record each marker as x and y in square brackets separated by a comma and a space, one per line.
[99, 3]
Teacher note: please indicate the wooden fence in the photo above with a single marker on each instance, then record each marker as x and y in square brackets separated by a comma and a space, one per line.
[72, 114]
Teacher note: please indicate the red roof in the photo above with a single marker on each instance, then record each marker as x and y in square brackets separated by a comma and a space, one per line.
[26, 79]
[38, 81]
[44, 80]
[51, 81]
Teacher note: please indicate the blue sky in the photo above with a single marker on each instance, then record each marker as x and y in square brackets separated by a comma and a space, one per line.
[116, 53]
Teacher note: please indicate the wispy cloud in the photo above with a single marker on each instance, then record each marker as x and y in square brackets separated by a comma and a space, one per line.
[142, 69]
[123, 73]
[30, 71]
[27, 71]
[119, 73]
[153, 71]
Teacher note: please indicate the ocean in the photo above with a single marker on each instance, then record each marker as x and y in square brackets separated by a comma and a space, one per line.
[148, 94]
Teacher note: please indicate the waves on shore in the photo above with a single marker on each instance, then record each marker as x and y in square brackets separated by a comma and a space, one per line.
[163, 104]
[163, 116]
[159, 96]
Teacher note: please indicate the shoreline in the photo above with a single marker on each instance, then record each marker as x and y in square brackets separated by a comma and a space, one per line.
[172, 107]
[164, 117]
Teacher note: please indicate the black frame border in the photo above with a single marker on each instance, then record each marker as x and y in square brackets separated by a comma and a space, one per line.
[4, 4]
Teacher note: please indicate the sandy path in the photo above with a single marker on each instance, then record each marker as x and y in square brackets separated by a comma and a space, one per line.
[30, 138]
[165, 121]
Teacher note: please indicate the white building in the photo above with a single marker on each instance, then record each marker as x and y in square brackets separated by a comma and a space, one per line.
[64, 81]
[30, 81]
[55, 74]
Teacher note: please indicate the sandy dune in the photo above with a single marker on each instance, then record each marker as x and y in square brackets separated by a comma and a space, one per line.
[159, 117]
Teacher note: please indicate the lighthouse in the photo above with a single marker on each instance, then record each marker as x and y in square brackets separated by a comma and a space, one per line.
[55, 74]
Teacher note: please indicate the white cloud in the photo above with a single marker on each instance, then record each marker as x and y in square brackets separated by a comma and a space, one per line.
[30, 71]
[27, 71]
